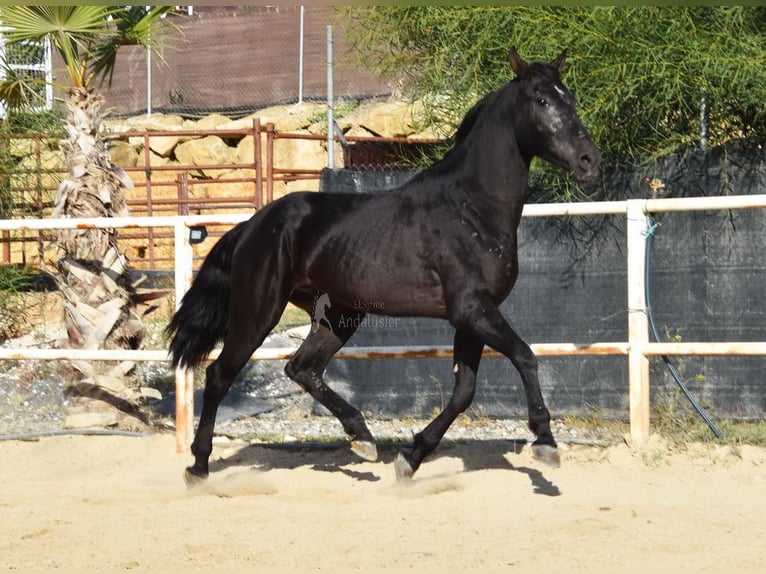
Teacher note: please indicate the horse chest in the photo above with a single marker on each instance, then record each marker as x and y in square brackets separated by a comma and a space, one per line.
[498, 268]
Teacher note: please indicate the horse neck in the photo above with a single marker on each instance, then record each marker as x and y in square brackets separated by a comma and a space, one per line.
[493, 171]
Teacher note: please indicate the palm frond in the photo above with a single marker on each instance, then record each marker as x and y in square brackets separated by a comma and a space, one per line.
[134, 27]
[18, 91]
[73, 31]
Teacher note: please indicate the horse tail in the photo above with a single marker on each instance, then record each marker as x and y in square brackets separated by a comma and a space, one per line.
[202, 319]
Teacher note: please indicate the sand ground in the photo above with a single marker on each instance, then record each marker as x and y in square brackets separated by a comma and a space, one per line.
[120, 503]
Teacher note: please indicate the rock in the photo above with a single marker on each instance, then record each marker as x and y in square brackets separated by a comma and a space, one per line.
[90, 420]
[158, 160]
[163, 145]
[22, 147]
[240, 124]
[285, 118]
[123, 154]
[300, 153]
[51, 164]
[246, 150]
[157, 122]
[243, 189]
[298, 185]
[205, 151]
[358, 131]
[209, 122]
[143, 123]
[394, 118]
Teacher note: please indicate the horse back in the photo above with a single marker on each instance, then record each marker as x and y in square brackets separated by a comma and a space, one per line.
[391, 252]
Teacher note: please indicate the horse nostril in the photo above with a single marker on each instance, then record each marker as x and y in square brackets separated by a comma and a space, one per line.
[588, 165]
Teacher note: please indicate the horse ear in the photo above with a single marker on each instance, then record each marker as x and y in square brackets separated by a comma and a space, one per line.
[518, 65]
[558, 63]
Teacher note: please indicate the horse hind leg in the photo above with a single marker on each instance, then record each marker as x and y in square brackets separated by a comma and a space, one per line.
[307, 367]
[247, 331]
[219, 376]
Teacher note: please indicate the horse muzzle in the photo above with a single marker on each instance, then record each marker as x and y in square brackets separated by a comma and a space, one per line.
[586, 166]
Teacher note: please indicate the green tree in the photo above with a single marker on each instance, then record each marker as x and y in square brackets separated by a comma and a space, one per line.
[100, 310]
[648, 79]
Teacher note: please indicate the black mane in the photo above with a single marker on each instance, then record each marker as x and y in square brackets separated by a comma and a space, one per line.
[469, 122]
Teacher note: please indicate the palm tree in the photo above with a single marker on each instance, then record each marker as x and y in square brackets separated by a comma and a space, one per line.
[100, 310]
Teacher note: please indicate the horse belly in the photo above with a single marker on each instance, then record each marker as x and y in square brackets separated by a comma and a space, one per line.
[395, 283]
[369, 253]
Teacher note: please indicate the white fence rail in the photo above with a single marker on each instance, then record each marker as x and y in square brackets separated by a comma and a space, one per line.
[638, 348]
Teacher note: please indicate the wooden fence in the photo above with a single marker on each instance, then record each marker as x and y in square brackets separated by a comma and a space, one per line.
[637, 348]
[158, 193]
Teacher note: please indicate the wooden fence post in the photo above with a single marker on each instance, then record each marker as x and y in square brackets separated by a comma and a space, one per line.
[184, 377]
[638, 323]
[270, 131]
[257, 163]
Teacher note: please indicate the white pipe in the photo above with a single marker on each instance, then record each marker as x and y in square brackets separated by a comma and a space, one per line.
[148, 82]
[3, 108]
[10, 353]
[184, 260]
[707, 348]
[48, 74]
[122, 222]
[330, 109]
[530, 210]
[668, 204]
[704, 203]
[300, 56]
[148, 77]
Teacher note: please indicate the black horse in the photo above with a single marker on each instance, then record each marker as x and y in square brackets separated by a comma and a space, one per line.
[442, 245]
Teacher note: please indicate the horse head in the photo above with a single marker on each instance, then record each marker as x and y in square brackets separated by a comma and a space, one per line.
[549, 126]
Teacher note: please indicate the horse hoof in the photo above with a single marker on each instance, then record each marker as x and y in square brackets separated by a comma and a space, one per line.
[193, 479]
[547, 454]
[403, 469]
[365, 450]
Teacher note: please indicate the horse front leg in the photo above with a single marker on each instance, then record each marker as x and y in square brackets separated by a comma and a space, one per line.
[467, 355]
[487, 323]
[544, 447]
[477, 314]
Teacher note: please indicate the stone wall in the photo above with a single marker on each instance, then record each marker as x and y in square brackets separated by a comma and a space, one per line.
[212, 188]
[387, 119]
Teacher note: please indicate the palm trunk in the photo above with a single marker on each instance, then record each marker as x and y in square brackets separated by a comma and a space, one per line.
[93, 273]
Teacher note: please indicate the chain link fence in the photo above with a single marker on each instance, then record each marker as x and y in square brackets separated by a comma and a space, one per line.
[28, 60]
[235, 60]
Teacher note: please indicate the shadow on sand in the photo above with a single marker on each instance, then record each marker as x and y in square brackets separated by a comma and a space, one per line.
[336, 457]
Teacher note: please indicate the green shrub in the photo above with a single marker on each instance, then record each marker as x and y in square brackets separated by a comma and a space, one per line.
[15, 183]
[14, 299]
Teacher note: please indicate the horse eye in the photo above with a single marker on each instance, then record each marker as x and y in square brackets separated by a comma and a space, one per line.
[542, 102]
